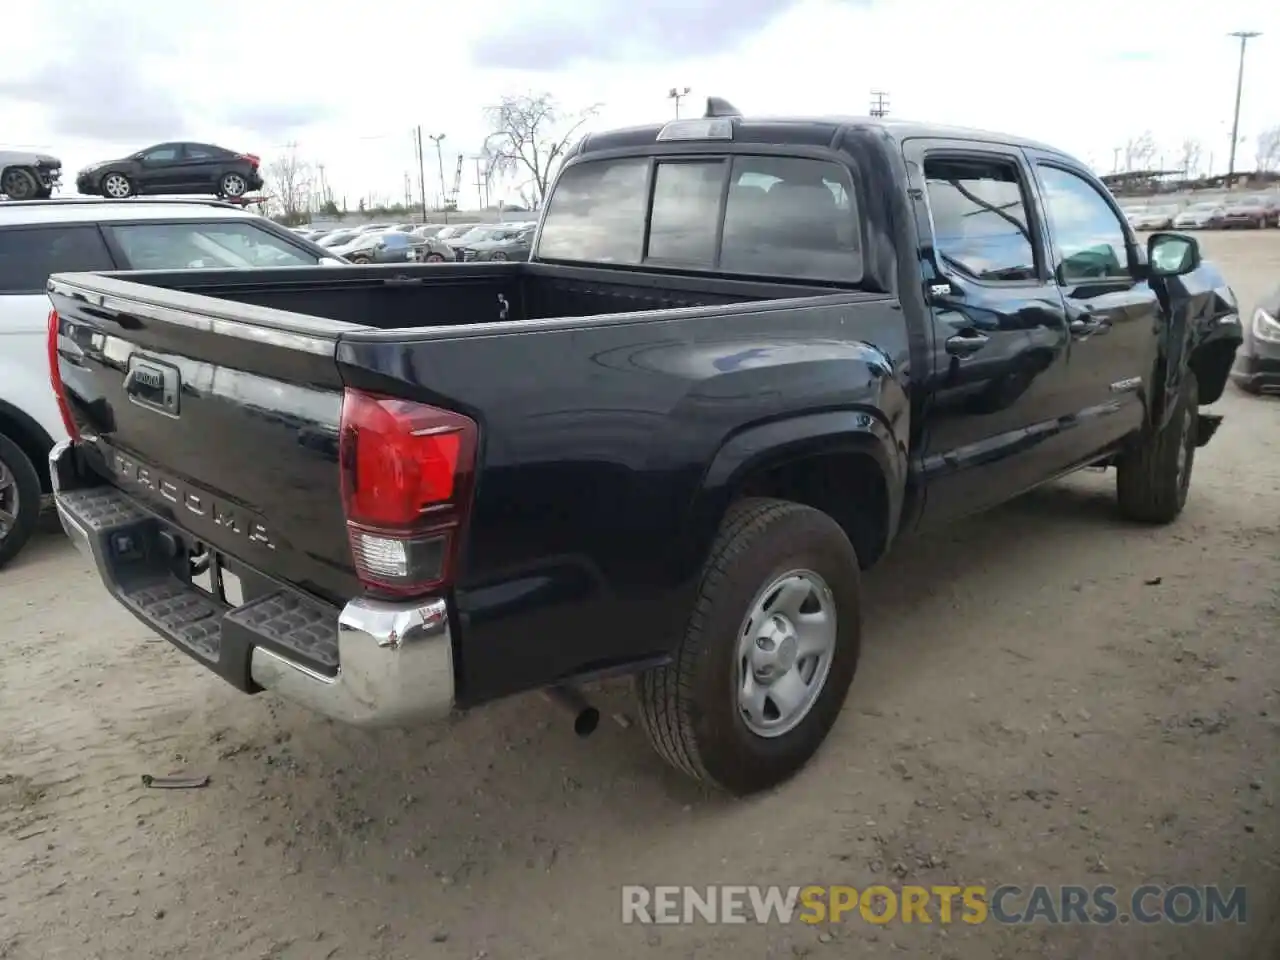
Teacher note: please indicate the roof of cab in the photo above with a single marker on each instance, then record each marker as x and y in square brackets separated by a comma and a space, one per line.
[92, 209]
[808, 131]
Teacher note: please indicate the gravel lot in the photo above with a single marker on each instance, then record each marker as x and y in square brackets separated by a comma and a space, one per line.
[1046, 696]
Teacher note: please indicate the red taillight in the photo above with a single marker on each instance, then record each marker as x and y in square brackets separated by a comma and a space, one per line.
[55, 379]
[253, 159]
[406, 486]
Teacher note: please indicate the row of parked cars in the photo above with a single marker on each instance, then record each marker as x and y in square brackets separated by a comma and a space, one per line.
[1253, 211]
[425, 242]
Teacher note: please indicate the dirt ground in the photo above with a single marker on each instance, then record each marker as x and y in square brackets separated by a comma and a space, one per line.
[1046, 696]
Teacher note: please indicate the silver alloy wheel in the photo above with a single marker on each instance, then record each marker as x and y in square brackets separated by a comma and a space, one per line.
[116, 185]
[9, 502]
[785, 649]
[233, 185]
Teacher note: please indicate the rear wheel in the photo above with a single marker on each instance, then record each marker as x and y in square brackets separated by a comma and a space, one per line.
[19, 499]
[232, 185]
[116, 186]
[19, 183]
[434, 258]
[1153, 478]
[360, 258]
[769, 652]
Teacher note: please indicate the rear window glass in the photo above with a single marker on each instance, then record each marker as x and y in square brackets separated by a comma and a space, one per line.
[597, 213]
[686, 211]
[28, 256]
[789, 217]
[783, 216]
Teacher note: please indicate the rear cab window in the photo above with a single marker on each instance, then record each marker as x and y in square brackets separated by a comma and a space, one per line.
[194, 245]
[28, 255]
[786, 217]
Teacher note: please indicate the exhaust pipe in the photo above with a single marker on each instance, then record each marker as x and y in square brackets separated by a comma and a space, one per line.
[585, 717]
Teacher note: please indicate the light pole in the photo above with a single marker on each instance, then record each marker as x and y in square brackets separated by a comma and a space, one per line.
[438, 138]
[1245, 36]
[677, 94]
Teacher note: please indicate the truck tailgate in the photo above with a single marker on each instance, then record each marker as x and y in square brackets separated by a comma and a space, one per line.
[220, 417]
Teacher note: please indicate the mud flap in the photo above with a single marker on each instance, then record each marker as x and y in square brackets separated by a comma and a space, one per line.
[1207, 425]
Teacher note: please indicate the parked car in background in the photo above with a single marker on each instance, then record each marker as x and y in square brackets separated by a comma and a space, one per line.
[452, 231]
[41, 237]
[1257, 366]
[169, 168]
[28, 176]
[390, 246]
[1154, 218]
[372, 227]
[1256, 211]
[431, 250]
[427, 229]
[511, 244]
[337, 238]
[1206, 215]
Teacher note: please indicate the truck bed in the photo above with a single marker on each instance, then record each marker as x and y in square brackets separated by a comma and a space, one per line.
[419, 296]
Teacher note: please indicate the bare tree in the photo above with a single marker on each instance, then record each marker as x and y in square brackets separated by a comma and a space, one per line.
[1139, 152]
[289, 179]
[530, 134]
[1191, 151]
[1268, 150]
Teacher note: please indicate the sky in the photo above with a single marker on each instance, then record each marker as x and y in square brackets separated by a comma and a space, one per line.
[349, 84]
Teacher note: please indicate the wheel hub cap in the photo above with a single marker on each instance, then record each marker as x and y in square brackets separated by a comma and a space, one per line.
[785, 651]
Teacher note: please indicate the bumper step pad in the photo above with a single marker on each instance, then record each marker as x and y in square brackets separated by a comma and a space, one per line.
[302, 631]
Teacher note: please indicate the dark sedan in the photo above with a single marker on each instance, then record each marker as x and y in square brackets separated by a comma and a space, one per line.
[1255, 211]
[174, 168]
[1257, 366]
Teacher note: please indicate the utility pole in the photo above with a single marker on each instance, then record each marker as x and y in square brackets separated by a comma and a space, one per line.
[879, 103]
[439, 139]
[408, 191]
[677, 94]
[481, 193]
[1116, 165]
[422, 175]
[1245, 36]
[324, 189]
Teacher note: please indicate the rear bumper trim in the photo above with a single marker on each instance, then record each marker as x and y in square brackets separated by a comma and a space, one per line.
[394, 659]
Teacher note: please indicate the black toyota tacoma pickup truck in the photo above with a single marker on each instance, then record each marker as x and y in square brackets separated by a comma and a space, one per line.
[746, 358]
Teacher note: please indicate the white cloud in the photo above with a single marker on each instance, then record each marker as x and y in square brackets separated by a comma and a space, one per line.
[1084, 75]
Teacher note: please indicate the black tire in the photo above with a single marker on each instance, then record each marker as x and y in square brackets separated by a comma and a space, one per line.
[15, 466]
[689, 708]
[360, 258]
[434, 258]
[1151, 484]
[233, 185]
[115, 177]
[19, 183]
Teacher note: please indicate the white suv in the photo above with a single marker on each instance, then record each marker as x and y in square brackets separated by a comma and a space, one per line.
[41, 237]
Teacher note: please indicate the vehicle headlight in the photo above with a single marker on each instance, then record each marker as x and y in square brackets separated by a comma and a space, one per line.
[1265, 326]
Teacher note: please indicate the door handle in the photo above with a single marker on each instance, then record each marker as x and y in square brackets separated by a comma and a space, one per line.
[1088, 324]
[966, 344]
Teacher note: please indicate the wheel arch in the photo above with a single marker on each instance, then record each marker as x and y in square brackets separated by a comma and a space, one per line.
[848, 464]
[30, 437]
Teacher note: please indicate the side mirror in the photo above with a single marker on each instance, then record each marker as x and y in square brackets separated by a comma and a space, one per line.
[1172, 254]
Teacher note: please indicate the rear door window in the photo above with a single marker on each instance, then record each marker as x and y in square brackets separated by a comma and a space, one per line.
[28, 255]
[979, 210]
[196, 245]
